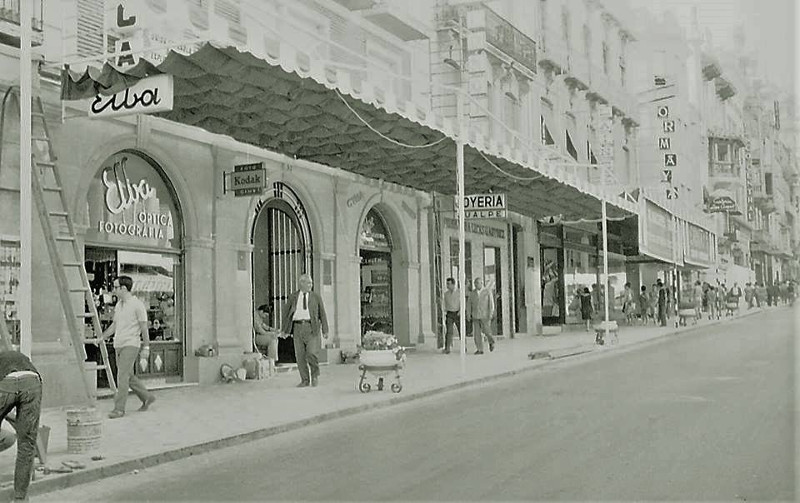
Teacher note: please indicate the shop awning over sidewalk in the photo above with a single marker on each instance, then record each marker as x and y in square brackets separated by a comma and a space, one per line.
[302, 109]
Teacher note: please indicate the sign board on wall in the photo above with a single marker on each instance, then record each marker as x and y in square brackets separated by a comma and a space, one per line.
[129, 202]
[657, 236]
[246, 179]
[483, 206]
[697, 246]
[150, 95]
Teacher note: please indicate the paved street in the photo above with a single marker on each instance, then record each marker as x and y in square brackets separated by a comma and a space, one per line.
[700, 416]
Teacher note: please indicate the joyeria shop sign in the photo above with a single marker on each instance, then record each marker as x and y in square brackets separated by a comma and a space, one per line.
[130, 205]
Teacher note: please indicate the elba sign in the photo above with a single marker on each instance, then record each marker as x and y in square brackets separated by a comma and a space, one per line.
[484, 205]
[150, 95]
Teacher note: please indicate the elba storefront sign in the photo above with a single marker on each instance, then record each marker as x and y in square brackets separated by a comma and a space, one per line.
[483, 206]
[150, 95]
[246, 180]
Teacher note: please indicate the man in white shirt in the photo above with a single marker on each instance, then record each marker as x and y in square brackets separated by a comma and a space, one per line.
[130, 331]
[304, 318]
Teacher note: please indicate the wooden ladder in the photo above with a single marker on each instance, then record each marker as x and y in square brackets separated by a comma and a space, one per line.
[66, 255]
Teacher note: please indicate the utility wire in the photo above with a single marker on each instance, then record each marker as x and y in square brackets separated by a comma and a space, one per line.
[444, 137]
[515, 177]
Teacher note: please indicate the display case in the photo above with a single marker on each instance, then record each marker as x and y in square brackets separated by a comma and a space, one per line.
[9, 285]
[376, 292]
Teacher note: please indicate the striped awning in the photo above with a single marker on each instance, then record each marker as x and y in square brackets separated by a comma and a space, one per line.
[306, 109]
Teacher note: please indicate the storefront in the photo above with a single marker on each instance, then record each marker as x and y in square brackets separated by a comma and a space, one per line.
[135, 230]
[375, 258]
[572, 259]
[487, 256]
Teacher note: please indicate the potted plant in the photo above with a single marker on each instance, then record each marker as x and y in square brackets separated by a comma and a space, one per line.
[380, 349]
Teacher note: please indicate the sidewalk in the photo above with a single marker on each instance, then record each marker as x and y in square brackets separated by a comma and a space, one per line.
[191, 420]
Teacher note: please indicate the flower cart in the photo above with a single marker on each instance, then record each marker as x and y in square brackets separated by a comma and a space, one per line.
[380, 355]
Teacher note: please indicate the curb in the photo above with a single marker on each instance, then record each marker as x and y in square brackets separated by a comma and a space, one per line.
[88, 475]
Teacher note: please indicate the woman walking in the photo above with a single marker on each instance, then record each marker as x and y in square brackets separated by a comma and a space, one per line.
[586, 307]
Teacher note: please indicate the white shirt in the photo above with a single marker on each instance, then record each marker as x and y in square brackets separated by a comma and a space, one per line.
[127, 318]
[300, 313]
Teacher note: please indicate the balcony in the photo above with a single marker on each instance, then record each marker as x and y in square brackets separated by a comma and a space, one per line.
[552, 51]
[765, 202]
[506, 38]
[578, 74]
[396, 20]
[357, 4]
[9, 22]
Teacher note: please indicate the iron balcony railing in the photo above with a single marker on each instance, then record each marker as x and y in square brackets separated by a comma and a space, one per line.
[504, 36]
[499, 32]
[10, 12]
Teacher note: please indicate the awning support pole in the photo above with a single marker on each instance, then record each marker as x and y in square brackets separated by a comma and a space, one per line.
[605, 263]
[25, 178]
[462, 273]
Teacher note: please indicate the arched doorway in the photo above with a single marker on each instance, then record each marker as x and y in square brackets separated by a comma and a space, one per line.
[282, 251]
[375, 252]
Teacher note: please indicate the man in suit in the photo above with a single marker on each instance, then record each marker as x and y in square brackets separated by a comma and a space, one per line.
[480, 309]
[304, 318]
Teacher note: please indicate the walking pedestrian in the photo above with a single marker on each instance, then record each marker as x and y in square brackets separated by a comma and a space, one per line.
[20, 388]
[130, 332]
[586, 307]
[644, 305]
[628, 305]
[697, 299]
[480, 309]
[711, 296]
[265, 336]
[304, 318]
[452, 315]
[736, 293]
[749, 293]
[662, 304]
[761, 294]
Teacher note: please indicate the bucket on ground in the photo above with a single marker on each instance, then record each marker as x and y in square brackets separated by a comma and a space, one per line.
[84, 429]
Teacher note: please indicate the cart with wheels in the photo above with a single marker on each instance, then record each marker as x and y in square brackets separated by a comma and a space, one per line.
[380, 371]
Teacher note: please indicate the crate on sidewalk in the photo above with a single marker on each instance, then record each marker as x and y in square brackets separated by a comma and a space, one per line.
[257, 366]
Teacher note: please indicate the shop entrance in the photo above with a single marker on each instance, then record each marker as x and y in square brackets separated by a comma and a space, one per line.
[281, 253]
[492, 280]
[552, 260]
[140, 237]
[375, 251]
[156, 283]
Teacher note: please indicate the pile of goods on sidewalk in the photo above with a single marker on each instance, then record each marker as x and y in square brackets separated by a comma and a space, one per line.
[257, 366]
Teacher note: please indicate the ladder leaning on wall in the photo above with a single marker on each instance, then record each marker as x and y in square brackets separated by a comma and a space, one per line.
[66, 256]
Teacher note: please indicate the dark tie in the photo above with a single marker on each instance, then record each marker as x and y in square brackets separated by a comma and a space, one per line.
[305, 302]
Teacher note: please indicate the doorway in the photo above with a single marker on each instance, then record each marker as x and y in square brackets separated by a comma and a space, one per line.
[282, 251]
[376, 284]
[552, 288]
[492, 278]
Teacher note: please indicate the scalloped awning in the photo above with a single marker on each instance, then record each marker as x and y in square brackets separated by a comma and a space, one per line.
[272, 105]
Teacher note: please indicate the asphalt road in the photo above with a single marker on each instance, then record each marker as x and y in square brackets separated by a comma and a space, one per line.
[701, 416]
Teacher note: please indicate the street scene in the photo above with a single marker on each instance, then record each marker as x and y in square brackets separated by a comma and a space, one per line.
[404, 250]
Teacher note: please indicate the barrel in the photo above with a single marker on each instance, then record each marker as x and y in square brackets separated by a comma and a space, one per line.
[83, 430]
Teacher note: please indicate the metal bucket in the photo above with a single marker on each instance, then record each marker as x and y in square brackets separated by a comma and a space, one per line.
[84, 429]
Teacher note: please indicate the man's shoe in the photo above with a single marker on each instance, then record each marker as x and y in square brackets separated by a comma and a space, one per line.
[491, 346]
[314, 381]
[303, 384]
[478, 352]
[147, 403]
[114, 414]
[446, 351]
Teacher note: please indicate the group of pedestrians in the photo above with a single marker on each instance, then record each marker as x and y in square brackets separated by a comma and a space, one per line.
[780, 292]
[479, 312]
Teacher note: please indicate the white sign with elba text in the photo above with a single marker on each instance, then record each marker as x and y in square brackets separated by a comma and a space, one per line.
[150, 95]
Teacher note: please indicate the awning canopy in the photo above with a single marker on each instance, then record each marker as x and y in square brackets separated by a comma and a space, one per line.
[307, 110]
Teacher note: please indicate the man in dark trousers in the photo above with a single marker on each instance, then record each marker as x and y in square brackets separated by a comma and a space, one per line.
[21, 388]
[662, 304]
[304, 318]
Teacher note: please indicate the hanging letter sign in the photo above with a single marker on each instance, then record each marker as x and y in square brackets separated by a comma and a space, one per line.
[153, 94]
